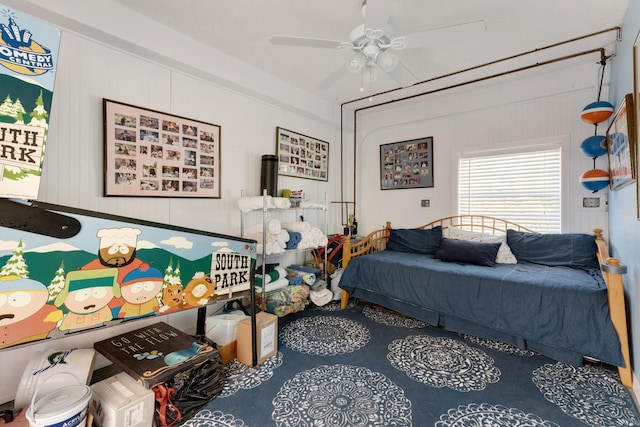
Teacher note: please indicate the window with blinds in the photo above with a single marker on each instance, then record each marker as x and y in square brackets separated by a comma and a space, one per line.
[522, 186]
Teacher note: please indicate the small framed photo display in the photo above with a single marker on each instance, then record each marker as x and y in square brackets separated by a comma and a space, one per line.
[407, 164]
[152, 154]
[621, 144]
[302, 156]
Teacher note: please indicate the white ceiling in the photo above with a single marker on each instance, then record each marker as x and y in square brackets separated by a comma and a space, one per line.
[242, 28]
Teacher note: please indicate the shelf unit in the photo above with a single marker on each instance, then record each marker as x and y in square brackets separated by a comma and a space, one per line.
[267, 214]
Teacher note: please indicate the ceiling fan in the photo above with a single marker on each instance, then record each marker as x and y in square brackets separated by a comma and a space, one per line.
[373, 43]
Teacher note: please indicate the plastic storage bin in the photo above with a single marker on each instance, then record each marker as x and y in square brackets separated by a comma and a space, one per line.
[223, 330]
[119, 401]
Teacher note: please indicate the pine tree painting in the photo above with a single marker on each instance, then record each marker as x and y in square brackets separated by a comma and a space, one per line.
[16, 265]
[7, 108]
[171, 277]
[57, 283]
[39, 115]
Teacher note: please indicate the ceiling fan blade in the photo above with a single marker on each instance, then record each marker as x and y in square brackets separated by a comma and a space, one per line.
[304, 42]
[402, 75]
[333, 78]
[465, 31]
[376, 13]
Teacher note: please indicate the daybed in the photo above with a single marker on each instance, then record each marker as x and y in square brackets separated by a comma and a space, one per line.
[557, 294]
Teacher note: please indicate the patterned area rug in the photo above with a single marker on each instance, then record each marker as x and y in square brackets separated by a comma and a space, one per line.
[365, 366]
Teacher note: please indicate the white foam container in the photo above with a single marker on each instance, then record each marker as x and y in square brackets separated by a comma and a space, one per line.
[120, 401]
[41, 372]
[66, 407]
[223, 328]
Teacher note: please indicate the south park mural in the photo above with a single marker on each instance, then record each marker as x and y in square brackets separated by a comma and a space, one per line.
[52, 287]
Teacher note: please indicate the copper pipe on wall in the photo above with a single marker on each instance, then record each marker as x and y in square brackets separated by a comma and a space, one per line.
[356, 111]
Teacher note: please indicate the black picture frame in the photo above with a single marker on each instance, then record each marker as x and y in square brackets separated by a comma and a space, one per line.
[407, 164]
[149, 153]
[301, 156]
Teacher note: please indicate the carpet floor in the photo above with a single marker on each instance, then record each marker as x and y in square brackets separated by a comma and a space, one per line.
[366, 366]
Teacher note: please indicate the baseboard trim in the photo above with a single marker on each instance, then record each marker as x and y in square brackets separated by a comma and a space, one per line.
[635, 390]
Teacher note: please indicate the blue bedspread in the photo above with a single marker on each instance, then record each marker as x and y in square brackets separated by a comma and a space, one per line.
[561, 312]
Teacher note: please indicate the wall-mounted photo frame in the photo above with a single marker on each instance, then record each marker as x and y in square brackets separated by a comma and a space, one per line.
[407, 164]
[301, 156]
[148, 153]
[636, 104]
[621, 144]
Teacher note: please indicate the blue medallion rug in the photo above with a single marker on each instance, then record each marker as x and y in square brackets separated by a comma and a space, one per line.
[366, 366]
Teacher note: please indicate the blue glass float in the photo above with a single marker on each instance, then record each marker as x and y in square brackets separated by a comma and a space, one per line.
[594, 146]
[595, 179]
[596, 112]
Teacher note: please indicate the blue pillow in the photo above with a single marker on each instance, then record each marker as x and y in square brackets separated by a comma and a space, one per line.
[468, 252]
[415, 240]
[574, 250]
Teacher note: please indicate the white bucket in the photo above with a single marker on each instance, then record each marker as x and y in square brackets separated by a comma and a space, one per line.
[50, 364]
[65, 407]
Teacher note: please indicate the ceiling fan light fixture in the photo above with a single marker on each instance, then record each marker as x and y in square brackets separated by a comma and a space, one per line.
[387, 61]
[356, 63]
[369, 74]
[371, 52]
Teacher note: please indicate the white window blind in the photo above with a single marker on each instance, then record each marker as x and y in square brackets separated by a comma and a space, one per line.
[522, 186]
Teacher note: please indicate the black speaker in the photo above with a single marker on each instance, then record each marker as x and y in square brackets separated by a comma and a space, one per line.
[269, 175]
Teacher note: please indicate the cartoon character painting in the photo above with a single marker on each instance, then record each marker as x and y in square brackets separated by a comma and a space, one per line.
[107, 273]
[139, 289]
[117, 249]
[172, 298]
[24, 313]
[86, 296]
[200, 291]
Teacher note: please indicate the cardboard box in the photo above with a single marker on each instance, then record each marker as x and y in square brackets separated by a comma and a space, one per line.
[266, 338]
[228, 352]
[119, 401]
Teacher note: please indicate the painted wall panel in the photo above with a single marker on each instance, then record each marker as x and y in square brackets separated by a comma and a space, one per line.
[624, 221]
[502, 114]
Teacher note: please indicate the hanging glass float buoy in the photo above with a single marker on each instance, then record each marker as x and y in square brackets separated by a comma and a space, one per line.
[596, 112]
[594, 146]
[595, 179]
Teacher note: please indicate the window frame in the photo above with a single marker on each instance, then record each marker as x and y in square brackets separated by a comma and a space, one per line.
[519, 147]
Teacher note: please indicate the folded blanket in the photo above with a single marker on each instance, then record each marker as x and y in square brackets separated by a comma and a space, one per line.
[283, 236]
[268, 267]
[294, 239]
[248, 204]
[273, 226]
[303, 268]
[300, 226]
[270, 248]
[306, 204]
[278, 284]
[274, 275]
[281, 202]
[297, 277]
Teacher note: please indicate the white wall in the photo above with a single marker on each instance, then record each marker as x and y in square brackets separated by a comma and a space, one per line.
[528, 108]
[623, 217]
[90, 70]
[125, 66]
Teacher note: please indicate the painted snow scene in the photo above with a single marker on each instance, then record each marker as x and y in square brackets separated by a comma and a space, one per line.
[28, 62]
[112, 270]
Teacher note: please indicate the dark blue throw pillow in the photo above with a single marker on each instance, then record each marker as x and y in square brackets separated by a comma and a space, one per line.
[468, 252]
[574, 250]
[415, 240]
